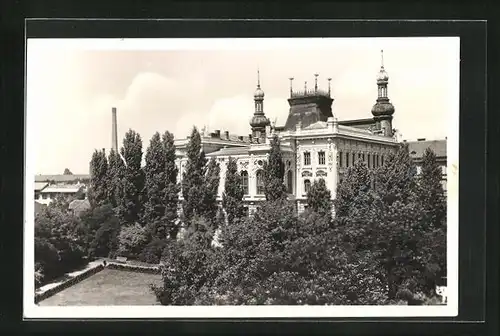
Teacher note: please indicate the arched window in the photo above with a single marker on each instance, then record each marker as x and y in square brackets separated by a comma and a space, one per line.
[307, 186]
[244, 181]
[260, 182]
[289, 180]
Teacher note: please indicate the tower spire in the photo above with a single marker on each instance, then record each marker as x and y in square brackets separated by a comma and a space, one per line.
[258, 78]
[329, 89]
[316, 82]
[382, 58]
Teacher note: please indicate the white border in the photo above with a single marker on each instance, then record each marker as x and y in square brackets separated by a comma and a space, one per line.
[451, 309]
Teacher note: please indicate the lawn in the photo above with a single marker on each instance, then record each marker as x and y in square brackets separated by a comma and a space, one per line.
[107, 288]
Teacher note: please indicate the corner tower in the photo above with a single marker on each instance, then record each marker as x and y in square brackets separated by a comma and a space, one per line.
[309, 105]
[259, 120]
[383, 109]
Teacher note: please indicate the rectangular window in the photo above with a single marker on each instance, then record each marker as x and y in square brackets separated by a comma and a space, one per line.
[347, 160]
[353, 158]
[363, 157]
[321, 158]
[369, 159]
[307, 159]
[382, 160]
[340, 159]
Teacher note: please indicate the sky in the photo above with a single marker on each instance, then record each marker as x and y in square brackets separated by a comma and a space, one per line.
[165, 84]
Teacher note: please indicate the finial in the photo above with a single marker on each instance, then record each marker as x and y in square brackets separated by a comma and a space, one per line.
[291, 82]
[305, 87]
[316, 82]
[258, 78]
[382, 58]
[329, 81]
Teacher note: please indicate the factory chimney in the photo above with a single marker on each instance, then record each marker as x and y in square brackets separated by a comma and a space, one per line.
[114, 136]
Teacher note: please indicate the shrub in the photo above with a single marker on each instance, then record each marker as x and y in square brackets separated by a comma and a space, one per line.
[153, 251]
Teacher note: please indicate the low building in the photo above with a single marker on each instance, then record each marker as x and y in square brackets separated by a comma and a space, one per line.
[417, 150]
[49, 187]
[77, 207]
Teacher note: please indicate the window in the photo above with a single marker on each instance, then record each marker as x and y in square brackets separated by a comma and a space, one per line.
[321, 158]
[363, 155]
[340, 159]
[289, 180]
[369, 159]
[347, 160]
[353, 158]
[382, 159]
[307, 186]
[307, 159]
[44, 196]
[260, 182]
[244, 181]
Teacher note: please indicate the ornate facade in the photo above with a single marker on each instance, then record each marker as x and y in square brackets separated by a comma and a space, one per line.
[315, 145]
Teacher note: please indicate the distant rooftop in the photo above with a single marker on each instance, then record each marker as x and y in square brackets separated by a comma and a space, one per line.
[61, 178]
[417, 148]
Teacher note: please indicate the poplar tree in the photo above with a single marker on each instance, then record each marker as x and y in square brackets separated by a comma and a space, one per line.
[129, 204]
[209, 207]
[274, 171]
[193, 177]
[116, 172]
[171, 194]
[232, 198]
[155, 184]
[98, 194]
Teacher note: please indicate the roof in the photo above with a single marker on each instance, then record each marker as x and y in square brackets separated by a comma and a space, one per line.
[63, 188]
[417, 148]
[230, 151]
[61, 177]
[317, 125]
[40, 185]
[79, 205]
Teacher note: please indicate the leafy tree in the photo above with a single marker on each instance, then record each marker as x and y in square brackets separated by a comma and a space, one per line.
[153, 251]
[132, 186]
[186, 272]
[193, 177]
[98, 194]
[432, 205]
[101, 228]
[351, 190]
[232, 198]
[116, 172]
[430, 190]
[59, 247]
[67, 172]
[132, 239]
[319, 198]
[274, 171]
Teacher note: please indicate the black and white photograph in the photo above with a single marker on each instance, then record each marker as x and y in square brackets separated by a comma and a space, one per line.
[241, 177]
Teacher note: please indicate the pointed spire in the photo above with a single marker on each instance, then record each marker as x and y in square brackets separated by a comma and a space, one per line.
[305, 87]
[329, 89]
[382, 58]
[316, 82]
[258, 78]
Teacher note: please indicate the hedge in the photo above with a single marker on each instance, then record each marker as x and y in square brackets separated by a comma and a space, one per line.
[69, 283]
[132, 268]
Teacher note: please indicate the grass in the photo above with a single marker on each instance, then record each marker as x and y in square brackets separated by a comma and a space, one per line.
[107, 288]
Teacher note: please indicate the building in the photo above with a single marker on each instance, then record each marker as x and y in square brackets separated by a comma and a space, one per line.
[49, 187]
[417, 150]
[315, 145]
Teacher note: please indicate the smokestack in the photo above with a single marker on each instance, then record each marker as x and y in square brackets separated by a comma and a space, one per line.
[114, 136]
